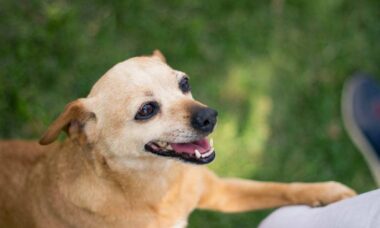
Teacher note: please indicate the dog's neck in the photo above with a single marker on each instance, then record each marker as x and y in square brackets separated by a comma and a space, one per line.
[142, 173]
[96, 180]
[140, 165]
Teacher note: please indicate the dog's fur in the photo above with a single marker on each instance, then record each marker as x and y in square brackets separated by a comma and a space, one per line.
[101, 176]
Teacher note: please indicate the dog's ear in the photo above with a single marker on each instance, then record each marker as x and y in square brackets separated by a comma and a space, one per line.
[76, 120]
[158, 54]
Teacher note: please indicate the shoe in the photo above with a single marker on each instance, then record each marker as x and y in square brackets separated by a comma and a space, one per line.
[361, 117]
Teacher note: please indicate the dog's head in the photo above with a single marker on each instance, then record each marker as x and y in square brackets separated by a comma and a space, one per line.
[140, 107]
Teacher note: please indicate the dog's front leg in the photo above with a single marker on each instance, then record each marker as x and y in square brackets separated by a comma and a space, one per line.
[234, 195]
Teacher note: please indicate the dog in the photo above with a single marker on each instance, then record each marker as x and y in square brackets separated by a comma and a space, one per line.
[133, 158]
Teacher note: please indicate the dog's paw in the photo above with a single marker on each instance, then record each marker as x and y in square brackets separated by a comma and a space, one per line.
[319, 194]
[328, 192]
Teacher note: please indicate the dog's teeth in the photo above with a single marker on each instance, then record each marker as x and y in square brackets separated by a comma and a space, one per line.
[212, 142]
[208, 153]
[169, 147]
[197, 154]
[162, 144]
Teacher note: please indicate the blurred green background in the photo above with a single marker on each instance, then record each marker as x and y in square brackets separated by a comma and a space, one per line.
[273, 69]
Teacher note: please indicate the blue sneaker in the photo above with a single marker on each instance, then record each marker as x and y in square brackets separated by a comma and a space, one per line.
[361, 116]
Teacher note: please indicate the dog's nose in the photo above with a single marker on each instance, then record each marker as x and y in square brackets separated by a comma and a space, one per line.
[204, 119]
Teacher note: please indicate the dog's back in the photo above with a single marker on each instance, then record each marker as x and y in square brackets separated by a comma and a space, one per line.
[16, 160]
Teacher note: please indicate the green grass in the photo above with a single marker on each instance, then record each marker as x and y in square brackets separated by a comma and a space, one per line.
[274, 70]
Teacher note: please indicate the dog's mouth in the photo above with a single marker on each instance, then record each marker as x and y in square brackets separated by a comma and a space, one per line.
[197, 152]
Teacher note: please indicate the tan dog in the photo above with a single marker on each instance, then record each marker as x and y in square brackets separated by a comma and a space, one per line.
[127, 161]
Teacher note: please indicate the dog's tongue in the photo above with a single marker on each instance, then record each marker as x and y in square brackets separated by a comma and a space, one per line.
[201, 145]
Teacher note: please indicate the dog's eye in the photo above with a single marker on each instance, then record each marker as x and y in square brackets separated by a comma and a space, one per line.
[147, 111]
[184, 85]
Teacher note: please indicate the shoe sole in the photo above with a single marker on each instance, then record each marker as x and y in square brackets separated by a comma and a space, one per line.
[356, 134]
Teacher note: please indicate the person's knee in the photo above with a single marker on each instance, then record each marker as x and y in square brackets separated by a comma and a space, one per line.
[286, 217]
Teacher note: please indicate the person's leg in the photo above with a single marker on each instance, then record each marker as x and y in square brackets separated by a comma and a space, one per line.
[361, 116]
[361, 211]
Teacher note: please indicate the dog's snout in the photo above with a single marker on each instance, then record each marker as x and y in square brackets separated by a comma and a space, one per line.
[204, 120]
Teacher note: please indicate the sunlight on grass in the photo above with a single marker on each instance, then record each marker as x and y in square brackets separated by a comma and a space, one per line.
[55, 10]
[240, 139]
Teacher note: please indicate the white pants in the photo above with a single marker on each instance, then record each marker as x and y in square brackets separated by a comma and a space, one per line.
[362, 211]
